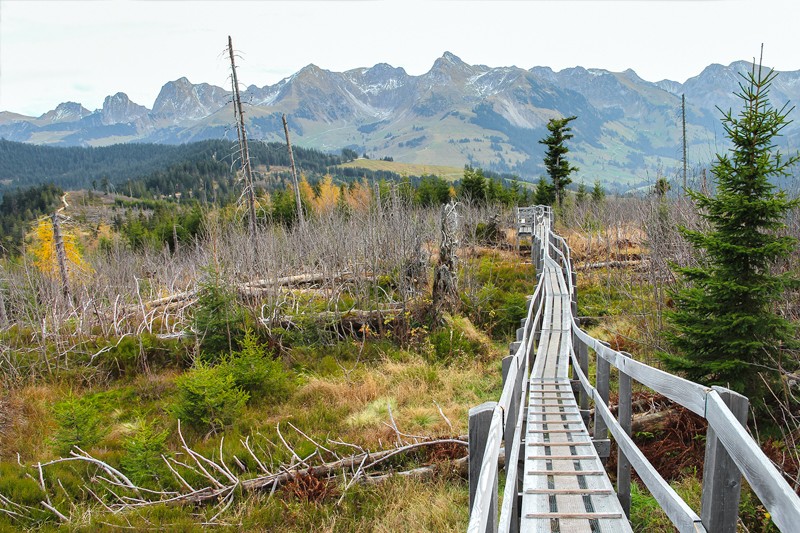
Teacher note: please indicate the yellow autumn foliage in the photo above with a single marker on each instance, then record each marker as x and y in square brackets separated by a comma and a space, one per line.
[328, 197]
[359, 196]
[43, 251]
[306, 192]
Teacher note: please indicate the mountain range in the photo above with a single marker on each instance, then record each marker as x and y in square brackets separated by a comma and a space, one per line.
[628, 129]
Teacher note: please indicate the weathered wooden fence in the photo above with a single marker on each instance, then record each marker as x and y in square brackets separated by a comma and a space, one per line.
[730, 451]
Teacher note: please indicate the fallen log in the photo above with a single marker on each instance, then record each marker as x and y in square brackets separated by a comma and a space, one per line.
[248, 288]
[612, 264]
[353, 316]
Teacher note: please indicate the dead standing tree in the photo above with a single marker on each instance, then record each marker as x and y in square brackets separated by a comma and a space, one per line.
[3, 314]
[244, 153]
[300, 215]
[445, 279]
[61, 254]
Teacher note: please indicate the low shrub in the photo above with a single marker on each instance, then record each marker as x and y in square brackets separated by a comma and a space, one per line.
[254, 371]
[208, 398]
[142, 461]
[78, 423]
[450, 345]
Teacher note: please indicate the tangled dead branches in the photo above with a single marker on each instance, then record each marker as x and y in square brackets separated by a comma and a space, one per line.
[312, 478]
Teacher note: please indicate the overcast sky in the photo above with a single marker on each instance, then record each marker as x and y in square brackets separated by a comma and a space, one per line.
[82, 51]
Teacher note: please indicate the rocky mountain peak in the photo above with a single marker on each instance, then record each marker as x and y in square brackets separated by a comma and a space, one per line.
[181, 100]
[118, 109]
[448, 69]
[66, 112]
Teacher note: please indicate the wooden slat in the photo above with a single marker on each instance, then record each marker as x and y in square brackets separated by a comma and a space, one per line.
[566, 472]
[587, 516]
[559, 444]
[598, 492]
[563, 457]
[574, 432]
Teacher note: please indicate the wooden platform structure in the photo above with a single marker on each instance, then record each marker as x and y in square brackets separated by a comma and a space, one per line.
[555, 479]
[565, 486]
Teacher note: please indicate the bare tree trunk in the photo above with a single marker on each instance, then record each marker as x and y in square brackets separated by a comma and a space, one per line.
[174, 239]
[245, 153]
[683, 121]
[3, 314]
[61, 255]
[445, 280]
[300, 215]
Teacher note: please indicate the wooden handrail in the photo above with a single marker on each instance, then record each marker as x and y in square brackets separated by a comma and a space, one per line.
[728, 442]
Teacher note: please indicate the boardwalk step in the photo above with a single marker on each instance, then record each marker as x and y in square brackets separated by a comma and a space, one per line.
[562, 457]
[593, 492]
[574, 443]
[566, 472]
[587, 516]
[578, 431]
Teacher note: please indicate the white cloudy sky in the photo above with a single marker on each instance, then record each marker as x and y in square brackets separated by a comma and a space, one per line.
[82, 51]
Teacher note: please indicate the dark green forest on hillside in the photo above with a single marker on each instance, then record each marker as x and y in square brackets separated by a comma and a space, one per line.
[23, 165]
[19, 208]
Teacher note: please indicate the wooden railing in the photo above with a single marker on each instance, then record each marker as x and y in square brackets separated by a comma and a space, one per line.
[730, 451]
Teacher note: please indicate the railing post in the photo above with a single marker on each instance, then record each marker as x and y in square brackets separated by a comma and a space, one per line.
[537, 333]
[625, 416]
[582, 351]
[574, 294]
[510, 433]
[722, 480]
[511, 415]
[600, 429]
[480, 419]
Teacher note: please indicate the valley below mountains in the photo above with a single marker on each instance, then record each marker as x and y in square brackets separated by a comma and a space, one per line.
[628, 131]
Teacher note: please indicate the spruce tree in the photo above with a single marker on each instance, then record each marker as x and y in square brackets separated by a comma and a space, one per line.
[726, 327]
[598, 193]
[473, 185]
[545, 194]
[555, 161]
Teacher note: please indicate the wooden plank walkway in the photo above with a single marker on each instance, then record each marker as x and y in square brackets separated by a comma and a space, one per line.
[565, 486]
[555, 481]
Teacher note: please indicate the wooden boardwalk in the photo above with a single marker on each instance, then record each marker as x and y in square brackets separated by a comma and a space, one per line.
[555, 481]
[565, 486]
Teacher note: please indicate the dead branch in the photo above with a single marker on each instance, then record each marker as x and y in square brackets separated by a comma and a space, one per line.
[223, 490]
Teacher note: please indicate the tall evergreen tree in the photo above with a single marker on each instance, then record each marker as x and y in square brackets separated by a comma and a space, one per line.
[545, 194]
[726, 326]
[473, 185]
[555, 161]
[598, 193]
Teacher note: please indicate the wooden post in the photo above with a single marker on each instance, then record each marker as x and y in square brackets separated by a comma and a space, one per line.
[582, 351]
[574, 293]
[602, 386]
[722, 480]
[300, 215]
[480, 419]
[574, 275]
[625, 417]
[511, 416]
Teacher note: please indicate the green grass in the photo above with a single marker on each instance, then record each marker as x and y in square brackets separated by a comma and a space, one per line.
[408, 169]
